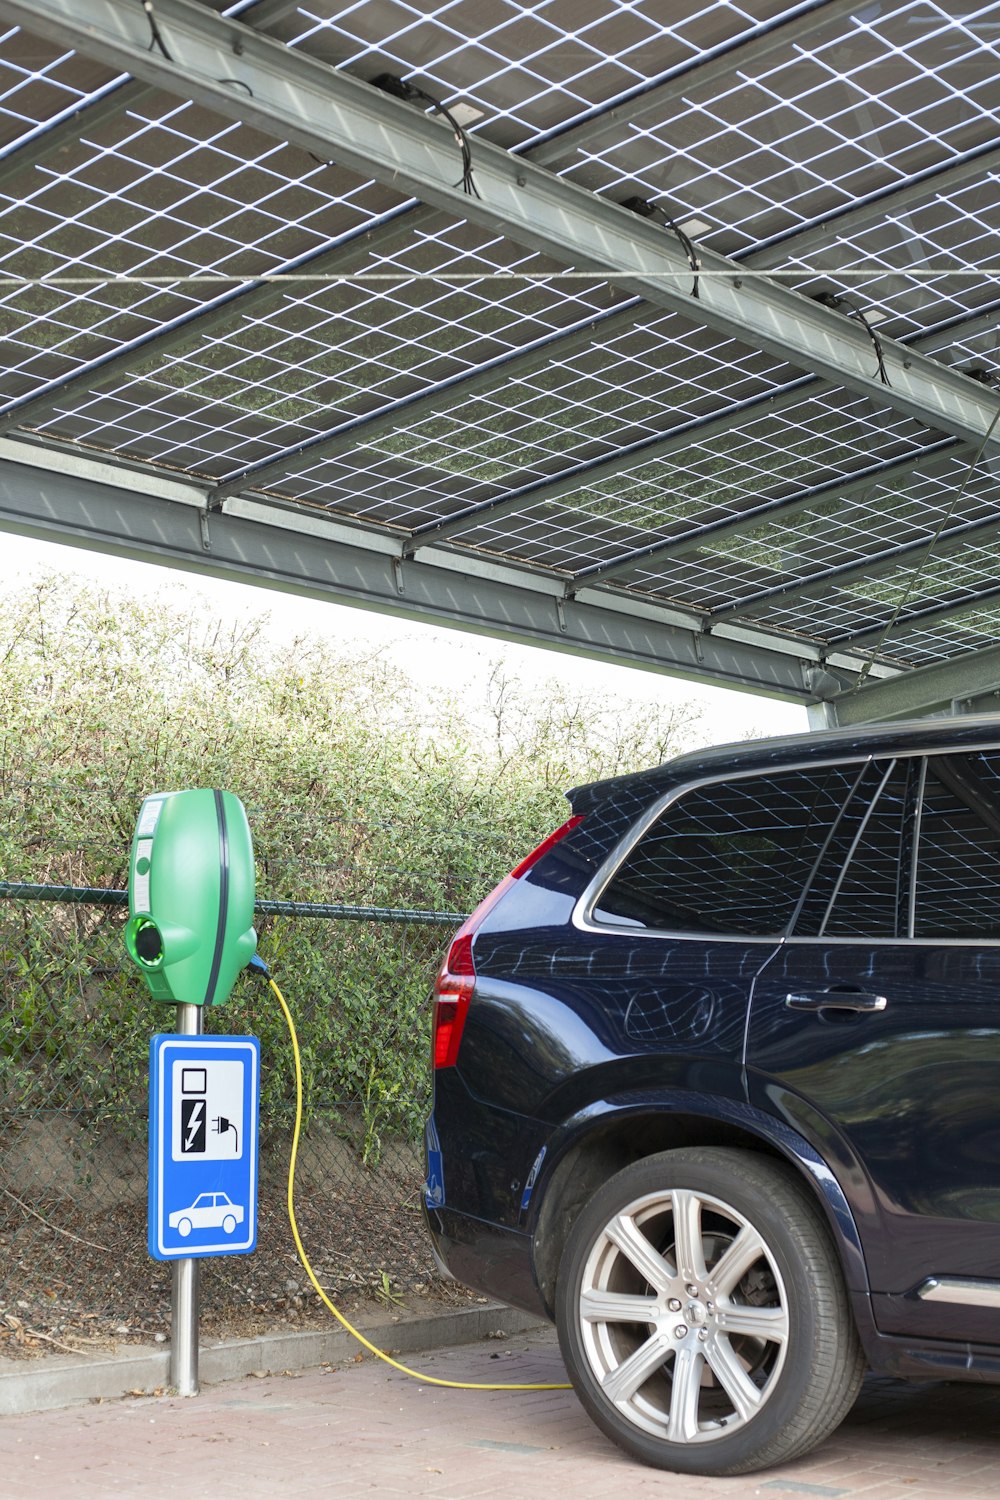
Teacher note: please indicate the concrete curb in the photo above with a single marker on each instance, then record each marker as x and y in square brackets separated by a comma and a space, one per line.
[64, 1380]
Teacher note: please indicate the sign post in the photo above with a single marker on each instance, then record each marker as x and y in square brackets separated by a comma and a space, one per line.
[185, 1288]
[204, 1102]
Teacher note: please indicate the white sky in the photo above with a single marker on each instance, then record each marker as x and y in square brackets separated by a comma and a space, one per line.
[434, 657]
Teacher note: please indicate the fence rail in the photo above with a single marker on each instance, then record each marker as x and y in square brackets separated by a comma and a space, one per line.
[92, 895]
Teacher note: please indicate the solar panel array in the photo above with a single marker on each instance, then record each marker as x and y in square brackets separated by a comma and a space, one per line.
[579, 432]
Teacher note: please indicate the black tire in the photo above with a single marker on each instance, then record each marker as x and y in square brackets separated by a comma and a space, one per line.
[734, 1354]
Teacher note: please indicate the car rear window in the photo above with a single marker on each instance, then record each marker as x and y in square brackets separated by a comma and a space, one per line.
[731, 856]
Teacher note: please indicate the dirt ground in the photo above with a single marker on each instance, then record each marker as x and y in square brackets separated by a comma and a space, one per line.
[73, 1279]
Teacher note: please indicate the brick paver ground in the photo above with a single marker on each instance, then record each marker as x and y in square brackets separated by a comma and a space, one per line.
[362, 1429]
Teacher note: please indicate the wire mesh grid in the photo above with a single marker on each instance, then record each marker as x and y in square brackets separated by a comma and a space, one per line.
[832, 110]
[164, 189]
[954, 232]
[913, 643]
[840, 532]
[40, 83]
[326, 355]
[833, 117]
[813, 442]
[952, 574]
[529, 68]
[588, 406]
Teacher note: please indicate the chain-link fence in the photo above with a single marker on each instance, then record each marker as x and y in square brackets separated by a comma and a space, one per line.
[74, 1036]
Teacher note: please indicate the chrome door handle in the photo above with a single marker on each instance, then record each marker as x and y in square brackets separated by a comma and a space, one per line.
[857, 1000]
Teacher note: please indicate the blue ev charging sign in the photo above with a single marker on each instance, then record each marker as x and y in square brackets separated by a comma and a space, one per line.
[204, 1099]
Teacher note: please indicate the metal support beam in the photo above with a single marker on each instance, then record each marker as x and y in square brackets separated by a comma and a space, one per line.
[748, 52]
[347, 436]
[219, 312]
[925, 690]
[65, 498]
[118, 95]
[298, 99]
[752, 49]
[675, 440]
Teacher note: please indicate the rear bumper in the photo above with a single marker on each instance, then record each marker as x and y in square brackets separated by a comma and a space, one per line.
[487, 1257]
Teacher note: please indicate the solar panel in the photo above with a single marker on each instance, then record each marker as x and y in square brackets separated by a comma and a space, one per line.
[418, 367]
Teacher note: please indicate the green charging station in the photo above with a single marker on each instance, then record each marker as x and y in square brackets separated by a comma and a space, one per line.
[190, 932]
[191, 896]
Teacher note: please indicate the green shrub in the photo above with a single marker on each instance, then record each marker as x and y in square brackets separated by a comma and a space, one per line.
[360, 789]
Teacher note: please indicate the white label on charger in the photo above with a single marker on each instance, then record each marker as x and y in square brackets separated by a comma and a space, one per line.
[149, 816]
[140, 883]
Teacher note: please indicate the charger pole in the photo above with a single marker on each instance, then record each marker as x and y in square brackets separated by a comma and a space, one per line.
[184, 1291]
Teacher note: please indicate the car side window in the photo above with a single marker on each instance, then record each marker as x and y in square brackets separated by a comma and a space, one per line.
[957, 886]
[860, 887]
[730, 857]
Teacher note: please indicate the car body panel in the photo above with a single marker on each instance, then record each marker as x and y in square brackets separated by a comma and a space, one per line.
[904, 1103]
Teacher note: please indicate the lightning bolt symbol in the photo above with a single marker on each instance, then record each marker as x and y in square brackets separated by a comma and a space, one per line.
[193, 1125]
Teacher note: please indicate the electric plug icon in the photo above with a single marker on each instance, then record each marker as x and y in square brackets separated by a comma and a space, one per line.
[220, 1126]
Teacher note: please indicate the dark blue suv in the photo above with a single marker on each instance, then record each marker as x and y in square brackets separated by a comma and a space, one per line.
[717, 1087]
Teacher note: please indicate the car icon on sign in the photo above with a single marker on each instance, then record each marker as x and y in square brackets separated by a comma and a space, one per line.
[208, 1211]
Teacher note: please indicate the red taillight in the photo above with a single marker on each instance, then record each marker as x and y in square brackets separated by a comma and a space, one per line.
[452, 994]
[454, 985]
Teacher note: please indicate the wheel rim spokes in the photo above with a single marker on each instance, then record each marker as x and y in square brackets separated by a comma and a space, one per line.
[770, 1324]
[670, 1319]
[726, 1366]
[688, 1249]
[685, 1395]
[626, 1379]
[744, 1252]
[624, 1232]
[616, 1307]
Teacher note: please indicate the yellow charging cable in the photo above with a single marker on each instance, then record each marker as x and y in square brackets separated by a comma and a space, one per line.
[455, 1385]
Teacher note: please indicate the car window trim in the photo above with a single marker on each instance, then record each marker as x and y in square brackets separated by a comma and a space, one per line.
[821, 856]
[583, 912]
[873, 802]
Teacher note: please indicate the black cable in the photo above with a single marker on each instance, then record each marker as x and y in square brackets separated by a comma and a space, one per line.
[659, 215]
[238, 83]
[856, 313]
[841, 303]
[687, 245]
[155, 34]
[413, 93]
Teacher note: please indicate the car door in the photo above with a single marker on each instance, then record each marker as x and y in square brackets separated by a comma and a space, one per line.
[875, 1032]
[696, 904]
